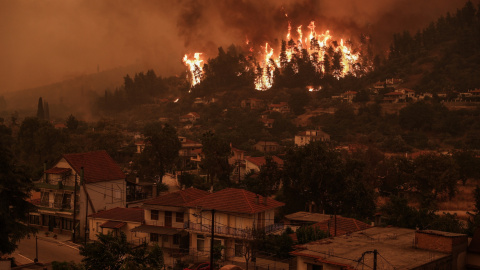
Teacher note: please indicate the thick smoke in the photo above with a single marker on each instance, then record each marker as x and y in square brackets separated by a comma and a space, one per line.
[52, 40]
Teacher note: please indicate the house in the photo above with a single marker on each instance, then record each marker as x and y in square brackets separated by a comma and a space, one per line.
[77, 185]
[140, 145]
[237, 161]
[267, 147]
[190, 117]
[60, 126]
[349, 96]
[281, 107]
[393, 82]
[235, 212]
[188, 150]
[304, 218]
[254, 164]
[166, 217]
[394, 248]
[253, 103]
[379, 85]
[117, 220]
[400, 95]
[305, 137]
[268, 123]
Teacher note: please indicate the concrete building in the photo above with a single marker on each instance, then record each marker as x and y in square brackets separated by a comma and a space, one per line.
[305, 137]
[397, 248]
[76, 186]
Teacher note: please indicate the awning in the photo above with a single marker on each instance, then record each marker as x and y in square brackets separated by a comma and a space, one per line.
[113, 224]
[155, 229]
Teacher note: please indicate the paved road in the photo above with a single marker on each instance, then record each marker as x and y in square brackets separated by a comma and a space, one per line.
[49, 250]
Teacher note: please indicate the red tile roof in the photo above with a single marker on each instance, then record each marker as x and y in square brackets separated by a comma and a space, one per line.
[178, 198]
[121, 214]
[344, 225]
[57, 170]
[113, 224]
[235, 200]
[98, 166]
[260, 161]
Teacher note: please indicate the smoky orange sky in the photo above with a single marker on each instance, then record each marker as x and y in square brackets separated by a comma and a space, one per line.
[46, 41]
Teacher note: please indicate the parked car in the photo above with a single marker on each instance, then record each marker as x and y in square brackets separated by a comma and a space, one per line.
[199, 266]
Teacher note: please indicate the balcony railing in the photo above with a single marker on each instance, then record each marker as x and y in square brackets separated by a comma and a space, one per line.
[54, 186]
[231, 231]
[55, 206]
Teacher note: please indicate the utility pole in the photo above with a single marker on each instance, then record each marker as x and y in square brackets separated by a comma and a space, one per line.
[75, 210]
[86, 202]
[375, 259]
[36, 249]
[212, 240]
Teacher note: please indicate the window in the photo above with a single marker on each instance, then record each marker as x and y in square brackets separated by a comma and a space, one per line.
[154, 237]
[200, 243]
[44, 198]
[238, 248]
[179, 217]
[57, 203]
[154, 214]
[176, 239]
[66, 202]
[34, 219]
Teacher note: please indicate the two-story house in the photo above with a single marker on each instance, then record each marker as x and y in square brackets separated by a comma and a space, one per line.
[254, 164]
[308, 136]
[267, 146]
[166, 217]
[117, 220]
[236, 212]
[76, 186]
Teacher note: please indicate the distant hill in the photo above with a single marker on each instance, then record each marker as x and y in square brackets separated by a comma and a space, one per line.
[444, 57]
[71, 96]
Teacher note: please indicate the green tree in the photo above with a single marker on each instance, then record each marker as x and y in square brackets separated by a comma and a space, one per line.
[114, 252]
[15, 187]
[215, 162]
[161, 150]
[72, 123]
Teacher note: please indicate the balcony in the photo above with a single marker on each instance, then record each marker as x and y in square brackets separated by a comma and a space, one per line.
[55, 206]
[54, 186]
[229, 231]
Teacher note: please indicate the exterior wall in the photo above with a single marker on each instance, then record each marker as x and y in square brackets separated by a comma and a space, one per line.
[94, 224]
[107, 195]
[161, 216]
[249, 166]
[439, 243]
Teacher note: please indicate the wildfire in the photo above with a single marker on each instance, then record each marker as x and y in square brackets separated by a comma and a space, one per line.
[324, 53]
[196, 68]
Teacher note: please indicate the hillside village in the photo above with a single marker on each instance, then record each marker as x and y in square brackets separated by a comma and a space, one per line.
[319, 171]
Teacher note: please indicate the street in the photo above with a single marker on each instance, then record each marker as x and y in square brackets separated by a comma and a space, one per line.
[49, 250]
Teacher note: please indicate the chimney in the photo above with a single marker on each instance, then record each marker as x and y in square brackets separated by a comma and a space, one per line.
[137, 180]
[154, 190]
[265, 200]
[257, 199]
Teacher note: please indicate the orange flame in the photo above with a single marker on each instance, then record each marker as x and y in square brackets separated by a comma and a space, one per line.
[196, 68]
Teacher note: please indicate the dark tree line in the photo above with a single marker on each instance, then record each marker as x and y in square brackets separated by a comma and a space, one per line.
[455, 39]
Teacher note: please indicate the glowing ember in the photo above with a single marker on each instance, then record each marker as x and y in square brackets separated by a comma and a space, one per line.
[196, 68]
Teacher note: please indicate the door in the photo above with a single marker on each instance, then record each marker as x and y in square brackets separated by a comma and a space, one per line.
[168, 219]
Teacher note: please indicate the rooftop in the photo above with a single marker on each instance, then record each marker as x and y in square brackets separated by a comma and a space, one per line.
[395, 247]
[98, 166]
[235, 200]
[121, 214]
[178, 198]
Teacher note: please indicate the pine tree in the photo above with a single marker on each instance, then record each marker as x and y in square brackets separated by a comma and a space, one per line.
[40, 112]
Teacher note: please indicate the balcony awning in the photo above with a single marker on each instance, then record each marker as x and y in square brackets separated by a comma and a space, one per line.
[113, 224]
[155, 229]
